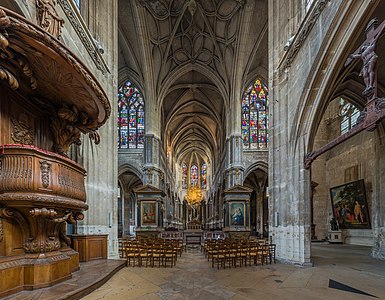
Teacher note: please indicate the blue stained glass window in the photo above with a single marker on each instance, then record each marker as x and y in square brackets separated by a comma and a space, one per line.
[203, 177]
[255, 116]
[130, 117]
[194, 175]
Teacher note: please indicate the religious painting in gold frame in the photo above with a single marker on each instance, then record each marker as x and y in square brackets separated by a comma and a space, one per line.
[237, 214]
[350, 207]
[149, 213]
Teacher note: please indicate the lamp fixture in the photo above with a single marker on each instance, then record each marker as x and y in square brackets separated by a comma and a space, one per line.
[194, 195]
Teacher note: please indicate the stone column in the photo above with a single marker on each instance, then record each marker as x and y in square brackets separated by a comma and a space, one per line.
[152, 173]
[234, 170]
[101, 160]
[378, 205]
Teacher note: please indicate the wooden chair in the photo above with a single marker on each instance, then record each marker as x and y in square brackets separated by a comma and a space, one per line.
[178, 245]
[241, 252]
[264, 253]
[144, 254]
[131, 252]
[211, 249]
[157, 254]
[272, 252]
[168, 255]
[252, 252]
[230, 252]
[218, 255]
[122, 252]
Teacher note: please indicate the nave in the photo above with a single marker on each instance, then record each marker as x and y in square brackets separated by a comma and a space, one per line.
[194, 278]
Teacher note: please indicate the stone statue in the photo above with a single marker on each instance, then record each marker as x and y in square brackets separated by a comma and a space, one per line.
[334, 224]
[366, 52]
[48, 18]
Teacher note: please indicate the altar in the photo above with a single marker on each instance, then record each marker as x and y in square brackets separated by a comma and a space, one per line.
[193, 237]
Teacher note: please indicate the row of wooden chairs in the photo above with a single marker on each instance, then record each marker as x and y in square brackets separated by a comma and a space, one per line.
[150, 251]
[233, 252]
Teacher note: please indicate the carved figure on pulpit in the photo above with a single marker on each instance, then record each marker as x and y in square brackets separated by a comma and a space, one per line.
[49, 19]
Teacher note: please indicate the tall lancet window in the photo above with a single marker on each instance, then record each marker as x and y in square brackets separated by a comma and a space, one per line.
[130, 117]
[194, 175]
[184, 175]
[349, 115]
[255, 116]
[203, 177]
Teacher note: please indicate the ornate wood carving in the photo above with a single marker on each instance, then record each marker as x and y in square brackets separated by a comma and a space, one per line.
[32, 261]
[33, 245]
[40, 190]
[43, 212]
[45, 168]
[25, 199]
[27, 169]
[67, 126]
[5, 74]
[374, 110]
[84, 35]
[303, 33]
[23, 133]
[48, 231]
[48, 18]
[28, 52]
[1, 230]
[24, 224]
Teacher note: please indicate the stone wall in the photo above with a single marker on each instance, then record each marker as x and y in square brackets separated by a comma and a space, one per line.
[99, 160]
[350, 161]
[300, 76]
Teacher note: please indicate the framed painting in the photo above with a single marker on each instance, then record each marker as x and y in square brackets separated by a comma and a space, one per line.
[149, 213]
[237, 214]
[350, 207]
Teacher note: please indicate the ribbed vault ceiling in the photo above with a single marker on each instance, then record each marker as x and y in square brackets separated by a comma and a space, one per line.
[194, 56]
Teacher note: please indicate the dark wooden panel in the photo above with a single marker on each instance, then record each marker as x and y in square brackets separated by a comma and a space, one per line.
[90, 247]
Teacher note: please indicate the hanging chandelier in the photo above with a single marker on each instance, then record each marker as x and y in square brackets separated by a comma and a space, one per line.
[194, 195]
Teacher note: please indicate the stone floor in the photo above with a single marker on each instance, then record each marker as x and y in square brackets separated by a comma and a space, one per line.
[339, 272]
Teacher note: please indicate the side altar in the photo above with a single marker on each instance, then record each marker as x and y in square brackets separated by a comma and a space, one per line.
[150, 211]
[237, 211]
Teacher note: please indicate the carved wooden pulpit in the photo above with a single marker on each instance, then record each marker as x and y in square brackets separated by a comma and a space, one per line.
[48, 98]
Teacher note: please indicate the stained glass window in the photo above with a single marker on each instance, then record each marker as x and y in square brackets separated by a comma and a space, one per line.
[255, 116]
[349, 115]
[203, 177]
[130, 117]
[184, 176]
[194, 175]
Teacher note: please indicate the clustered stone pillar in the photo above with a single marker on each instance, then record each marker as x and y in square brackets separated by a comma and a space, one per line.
[234, 170]
[152, 173]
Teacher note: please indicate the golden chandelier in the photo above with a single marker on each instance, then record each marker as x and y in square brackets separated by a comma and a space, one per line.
[194, 195]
